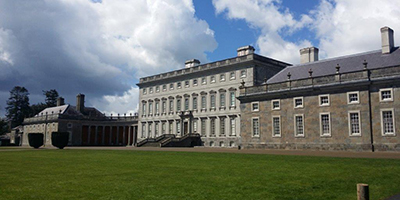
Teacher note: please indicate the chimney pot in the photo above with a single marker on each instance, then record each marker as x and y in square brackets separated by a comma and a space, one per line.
[60, 101]
[246, 50]
[387, 40]
[192, 63]
[309, 54]
[80, 103]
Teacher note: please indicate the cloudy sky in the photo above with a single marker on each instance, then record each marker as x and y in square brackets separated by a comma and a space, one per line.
[102, 47]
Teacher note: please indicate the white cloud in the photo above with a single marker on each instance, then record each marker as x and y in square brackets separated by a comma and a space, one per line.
[273, 20]
[100, 49]
[114, 104]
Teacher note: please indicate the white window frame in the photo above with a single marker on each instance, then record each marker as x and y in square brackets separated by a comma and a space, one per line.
[171, 86]
[212, 79]
[222, 100]
[187, 83]
[252, 106]
[394, 122]
[272, 104]
[320, 124]
[359, 123]
[232, 102]
[195, 103]
[232, 77]
[319, 100]
[222, 77]
[144, 91]
[273, 127]
[151, 90]
[179, 85]
[243, 75]
[157, 88]
[353, 102]
[252, 126]
[302, 102]
[195, 82]
[232, 122]
[204, 81]
[164, 87]
[295, 125]
[384, 90]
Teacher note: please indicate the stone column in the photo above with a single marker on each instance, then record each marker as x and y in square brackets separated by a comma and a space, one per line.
[129, 135]
[95, 135]
[123, 136]
[104, 135]
[111, 130]
[117, 135]
[90, 131]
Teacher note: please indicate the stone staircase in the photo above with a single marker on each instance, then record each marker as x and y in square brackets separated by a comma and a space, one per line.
[154, 142]
[169, 140]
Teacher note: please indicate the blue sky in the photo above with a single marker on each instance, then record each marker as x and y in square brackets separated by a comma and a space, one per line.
[102, 48]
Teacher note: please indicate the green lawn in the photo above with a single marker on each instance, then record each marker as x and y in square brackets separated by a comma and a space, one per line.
[113, 174]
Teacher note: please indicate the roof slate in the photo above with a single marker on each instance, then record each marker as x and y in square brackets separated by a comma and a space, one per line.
[350, 63]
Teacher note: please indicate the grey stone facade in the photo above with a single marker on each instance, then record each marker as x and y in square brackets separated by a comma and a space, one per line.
[346, 103]
[172, 102]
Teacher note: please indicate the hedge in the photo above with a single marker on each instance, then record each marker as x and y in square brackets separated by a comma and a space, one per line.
[59, 139]
[35, 140]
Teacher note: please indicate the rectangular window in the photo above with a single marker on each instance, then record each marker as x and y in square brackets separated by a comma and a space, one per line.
[212, 79]
[170, 127]
[243, 73]
[222, 126]
[233, 127]
[222, 100]
[387, 122]
[164, 106]
[144, 91]
[178, 105]
[299, 126]
[386, 94]
[157, 107]
[256, 127]
[222, 77]
[156, 129]
[276, 126]
[144, 109]
[186, 103]
[151, 90]
[255, 106]
[212, 100]
[171, 105]
[212, 126]
[203, 102]
[171, 86]
[325, 123]
[195, 125]
[178, 127]
[203, 80]
[276, 104]
[298, 102]
[324, 100]
[150, 108]
[150, 129]
[186, 83]
[194, 103]
[203, 127]
[194, 82]
[143, 130]
[232, 75]
[164, 87]
[352, 97]
[232, 99]
[157, 88]
[179, 85]
[354, 123]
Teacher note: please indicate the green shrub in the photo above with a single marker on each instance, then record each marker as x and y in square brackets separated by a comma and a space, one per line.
[35, 140]
[59, 139]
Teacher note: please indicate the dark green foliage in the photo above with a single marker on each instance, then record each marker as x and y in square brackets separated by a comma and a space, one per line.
[18, 106]
[51, 97]
[3, 126]
[59, 139]
[36, 108]
[35, 140]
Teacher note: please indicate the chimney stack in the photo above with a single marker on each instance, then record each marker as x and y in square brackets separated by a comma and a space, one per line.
[309, 54]
[387, 40]
[246, 50]
[60, 101]
[192, 63]
[80, 103]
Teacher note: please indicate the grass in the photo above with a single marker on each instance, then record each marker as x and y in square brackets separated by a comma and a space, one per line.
[112, 174]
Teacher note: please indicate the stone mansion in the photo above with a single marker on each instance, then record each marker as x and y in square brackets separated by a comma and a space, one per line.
[343, 103]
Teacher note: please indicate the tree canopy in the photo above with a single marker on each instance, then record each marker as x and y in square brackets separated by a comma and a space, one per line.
[18, 105]
[51, 97]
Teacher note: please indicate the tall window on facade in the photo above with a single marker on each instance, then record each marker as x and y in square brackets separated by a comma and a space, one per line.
[157, 88]
[171, 86]
[232, 99]
[299, 125]
[163, 128]
[222, 126]
[352, 97]
[157, 107]
[232, 75]
[186, 103]
[150, 108]
[354, 123]
[171, 105]
[203, 102]
[222, 100]
[324, 100]
[212, 101]
[178, 127]
[276, 126]
[164, 107]
[151, 90]
[179, 85]
[186, 83]
[243, 73]
[194, 103]
[212, 79]
[212, 126]
[387, 122]
[203, 80]
[178, 105]
[143, 130]
[144, 109]
[203, 127]
[325, 124]
[386, 94]
[144, 91]
[164, 87]
[233, 127]
[170, 127]
[156, 129]
[256, 127]
[195, 125]
[222, 77]
[150, 129]
[194, 82]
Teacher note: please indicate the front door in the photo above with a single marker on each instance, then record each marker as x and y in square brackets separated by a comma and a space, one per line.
[185, 128]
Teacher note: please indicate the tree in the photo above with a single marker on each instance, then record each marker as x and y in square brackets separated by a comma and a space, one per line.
[17, 105]
[36, 108]
[3, 126]
[51, 97]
